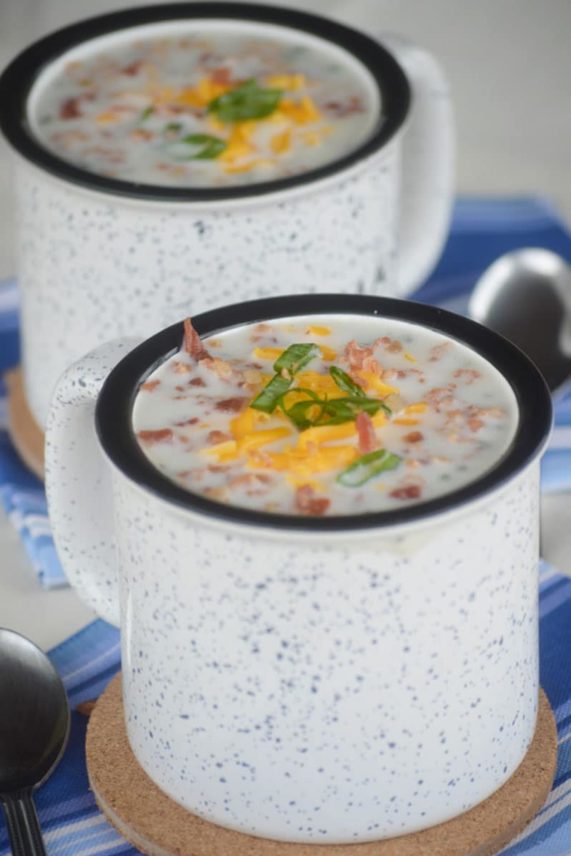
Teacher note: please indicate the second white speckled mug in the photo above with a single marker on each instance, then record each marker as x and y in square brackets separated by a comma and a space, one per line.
[335, 679]
[102, 257]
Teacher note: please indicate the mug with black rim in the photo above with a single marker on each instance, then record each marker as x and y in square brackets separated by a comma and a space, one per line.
[101, 256]
[322, 679]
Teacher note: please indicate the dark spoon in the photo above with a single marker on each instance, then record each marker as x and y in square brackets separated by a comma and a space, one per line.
[34, 726]
[526, 296]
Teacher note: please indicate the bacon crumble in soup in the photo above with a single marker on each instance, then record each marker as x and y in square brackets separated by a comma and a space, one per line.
[206, 109]
[323, 415]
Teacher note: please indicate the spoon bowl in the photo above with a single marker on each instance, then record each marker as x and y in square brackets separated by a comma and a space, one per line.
[526, 296]
[34, 727]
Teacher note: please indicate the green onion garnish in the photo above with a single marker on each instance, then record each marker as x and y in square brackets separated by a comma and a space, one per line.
[333, 411]
[269, 397]
[148, 111]
[212, 147]
[367, 467]
[295, 358]
[248, 101]
[173, 128]
[286, 366]
[345, 383]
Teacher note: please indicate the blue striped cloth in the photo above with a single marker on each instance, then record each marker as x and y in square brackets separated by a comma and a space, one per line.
[481, 231]
[74, 826]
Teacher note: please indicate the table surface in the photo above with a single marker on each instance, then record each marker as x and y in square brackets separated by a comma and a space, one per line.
[509, 65]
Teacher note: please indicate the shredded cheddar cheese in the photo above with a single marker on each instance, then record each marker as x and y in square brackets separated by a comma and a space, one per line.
[316, 330]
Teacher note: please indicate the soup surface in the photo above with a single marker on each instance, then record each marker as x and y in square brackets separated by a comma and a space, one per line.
[206, 109]
[324, 415]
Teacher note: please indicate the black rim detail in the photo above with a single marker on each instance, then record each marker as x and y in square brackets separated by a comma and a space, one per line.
[19, 77]
[114, 406]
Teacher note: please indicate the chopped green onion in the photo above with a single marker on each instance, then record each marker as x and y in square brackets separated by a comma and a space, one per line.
[248, 101]
[173, 128]
[334, 411]
[346, 383]
[291, 361]
[298, 413]
[367, 467]
[148, 111]
[212, 146]
[269, 397]
[295, 358]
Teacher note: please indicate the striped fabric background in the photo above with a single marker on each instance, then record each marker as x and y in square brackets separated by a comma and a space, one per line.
[482, 230]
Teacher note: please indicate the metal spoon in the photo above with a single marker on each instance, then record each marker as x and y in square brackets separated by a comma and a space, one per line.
[526, 296]
[34, 726]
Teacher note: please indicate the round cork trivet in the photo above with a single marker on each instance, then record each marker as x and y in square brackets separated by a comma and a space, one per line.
[25, 433]
[156, 825]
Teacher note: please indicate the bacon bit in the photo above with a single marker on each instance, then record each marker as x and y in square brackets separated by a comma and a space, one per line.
[253, 482]
[192, 421]
[110, 155]
[475, 423]
[67, 138]
[438, 351]
[142, 134]
[133, 68]
[353, 104]
[402, 373]
[261, 328]
[308, 503]
[413, 437]
[223, 369]
[409, 491]
[366, 433]
[149, 385]
[467, 375]
[221, 75]
[440, 396]
[232, 405]
[258, 458]
[196, 381]
[414, 463]
[361, 358]
[70, 109]
[215, 437]
[217, 468]
[150, 437]
[393, 346]
[192, 343]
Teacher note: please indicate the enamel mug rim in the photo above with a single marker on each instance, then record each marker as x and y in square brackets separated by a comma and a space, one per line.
[113, 415]
[24, 71]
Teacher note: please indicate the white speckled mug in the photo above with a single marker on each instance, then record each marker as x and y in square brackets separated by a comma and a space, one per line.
[335, 679]
[102, 257]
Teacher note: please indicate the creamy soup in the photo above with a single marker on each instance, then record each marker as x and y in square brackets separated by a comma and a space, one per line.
[206, 108]
[322, 415]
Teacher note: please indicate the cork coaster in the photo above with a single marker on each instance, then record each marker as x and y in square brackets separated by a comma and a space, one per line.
[25, 433]
[160, 827]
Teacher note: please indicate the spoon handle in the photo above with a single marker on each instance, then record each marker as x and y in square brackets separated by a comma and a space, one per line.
[23, 825]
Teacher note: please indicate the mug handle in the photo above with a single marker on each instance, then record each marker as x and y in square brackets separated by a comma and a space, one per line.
[78, 481]
[427, 169]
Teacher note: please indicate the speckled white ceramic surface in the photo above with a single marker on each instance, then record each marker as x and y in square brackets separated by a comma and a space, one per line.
[331, 687]
[93, 266]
